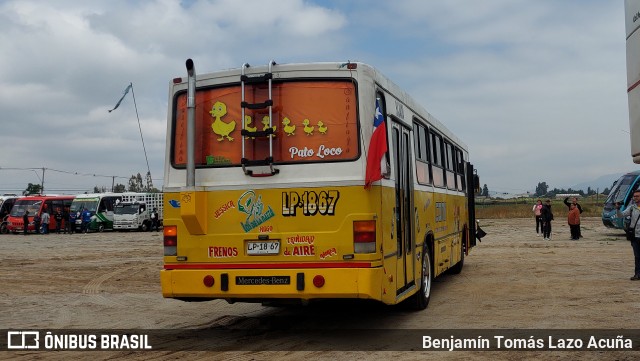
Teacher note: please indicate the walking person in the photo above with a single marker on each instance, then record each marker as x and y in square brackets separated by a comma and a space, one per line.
[547, 217]
[537, 212]
[634, 212]
[574, 222]
[25, 222]
[45, 222]
[574, 201]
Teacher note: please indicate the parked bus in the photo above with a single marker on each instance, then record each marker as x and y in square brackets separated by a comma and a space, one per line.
[621, 192]
[265, 191]
[100, 206]
[36, 205]
[632, 24]
[6, 202]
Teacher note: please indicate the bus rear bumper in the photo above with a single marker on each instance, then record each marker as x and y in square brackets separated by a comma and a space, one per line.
[265, 284]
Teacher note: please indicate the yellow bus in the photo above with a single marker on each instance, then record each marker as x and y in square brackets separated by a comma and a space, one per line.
[275, 192]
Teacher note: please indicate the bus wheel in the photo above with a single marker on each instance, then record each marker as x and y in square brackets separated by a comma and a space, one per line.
[4, 229]
[101, 227]
[144, 227]
[421, 299]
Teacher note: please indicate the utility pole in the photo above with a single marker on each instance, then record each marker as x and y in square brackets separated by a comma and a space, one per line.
[42, 185]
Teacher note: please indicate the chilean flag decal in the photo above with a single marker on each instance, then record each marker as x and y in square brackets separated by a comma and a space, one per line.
[377, 148]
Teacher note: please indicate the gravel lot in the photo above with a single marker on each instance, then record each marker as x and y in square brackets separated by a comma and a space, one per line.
[512, 280]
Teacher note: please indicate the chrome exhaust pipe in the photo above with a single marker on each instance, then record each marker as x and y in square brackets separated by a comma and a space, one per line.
[191, 124]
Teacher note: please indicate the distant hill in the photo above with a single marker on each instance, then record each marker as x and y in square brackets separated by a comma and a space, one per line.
[599, 184]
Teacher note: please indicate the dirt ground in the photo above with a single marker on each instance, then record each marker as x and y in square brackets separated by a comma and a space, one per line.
[511, 280]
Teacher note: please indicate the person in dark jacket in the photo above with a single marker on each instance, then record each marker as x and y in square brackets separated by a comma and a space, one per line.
[58, 217]
[25, 222]
[547, 217]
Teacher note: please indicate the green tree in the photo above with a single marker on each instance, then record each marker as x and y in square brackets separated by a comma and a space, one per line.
[119, 188]
[541, 189]
[136, 184]
[32, 189]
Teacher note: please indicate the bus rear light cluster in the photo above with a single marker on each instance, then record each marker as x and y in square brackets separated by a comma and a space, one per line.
[170, 234]
[208, 280]
[318, 281]
[364, 236]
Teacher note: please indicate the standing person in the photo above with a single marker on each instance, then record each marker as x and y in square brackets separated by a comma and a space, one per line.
[68, 226]
[574, 201]
[574, 222]
[25, 222]
[537, 212]
[45, 222]
[155, 222]
[547, 217]
[86, 219]
[634, 212]
[36, 222]
[58, 217]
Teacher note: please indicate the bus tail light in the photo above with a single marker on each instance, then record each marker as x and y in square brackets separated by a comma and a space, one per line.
[170, 240]
[318, 281]
[364, 236]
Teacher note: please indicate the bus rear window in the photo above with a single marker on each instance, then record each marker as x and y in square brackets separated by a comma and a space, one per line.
[315, 121]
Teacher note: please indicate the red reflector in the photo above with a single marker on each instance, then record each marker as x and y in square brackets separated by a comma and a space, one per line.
[177, 80]
[352, 66]
[208, 281]
[318, 281]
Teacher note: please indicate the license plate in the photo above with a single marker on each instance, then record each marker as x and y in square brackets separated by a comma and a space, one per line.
[263, 247]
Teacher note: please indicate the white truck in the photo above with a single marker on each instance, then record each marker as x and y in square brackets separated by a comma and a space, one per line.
[137, 211]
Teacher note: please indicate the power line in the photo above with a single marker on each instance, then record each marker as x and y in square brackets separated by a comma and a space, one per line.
[74, 173]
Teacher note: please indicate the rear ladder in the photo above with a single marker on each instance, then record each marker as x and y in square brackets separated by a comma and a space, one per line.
[268, 132]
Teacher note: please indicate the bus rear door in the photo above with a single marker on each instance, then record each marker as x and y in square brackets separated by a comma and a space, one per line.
[403, 208]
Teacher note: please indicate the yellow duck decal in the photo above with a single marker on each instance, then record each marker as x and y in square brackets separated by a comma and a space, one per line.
[247, 121]
[307, 128]
[321, 128]
[265, 122]
[289, 129]
[219, 127]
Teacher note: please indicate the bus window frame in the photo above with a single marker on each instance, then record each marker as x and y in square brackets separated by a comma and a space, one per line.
[358, 121]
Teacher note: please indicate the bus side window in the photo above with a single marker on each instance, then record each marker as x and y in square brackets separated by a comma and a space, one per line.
[460, 176]
[423, 167]
[438, 160]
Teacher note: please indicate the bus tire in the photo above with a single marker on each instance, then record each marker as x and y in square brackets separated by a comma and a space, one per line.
[101, 227]
[4, 229]
[144, 227]
[421, 299]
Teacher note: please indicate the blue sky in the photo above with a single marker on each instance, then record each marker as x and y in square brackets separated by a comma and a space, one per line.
[536, 89]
